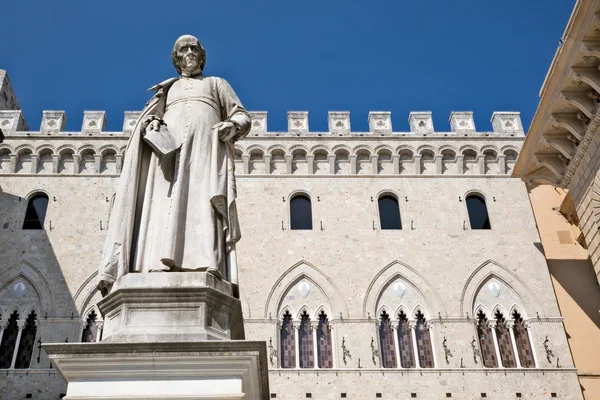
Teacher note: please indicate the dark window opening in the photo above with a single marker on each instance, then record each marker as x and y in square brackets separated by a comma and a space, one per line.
[478, 214]
[27, 342]
[386, 342]
[36, 212]
[287, 340]
[9, 341]
[300, 213]
[389, 213]
[90, 332]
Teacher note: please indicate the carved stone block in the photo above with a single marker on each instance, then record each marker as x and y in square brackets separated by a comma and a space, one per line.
[12, 121]
[53, 121]
[339, 121]
[298, 121]
[462, 122]
[259, 121]
[507, 123]
[93, 121]
[131, 118]
[420, 122]
[380, 121]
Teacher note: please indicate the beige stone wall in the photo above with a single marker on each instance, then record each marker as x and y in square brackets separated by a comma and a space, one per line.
[576, 289]
[348, 262]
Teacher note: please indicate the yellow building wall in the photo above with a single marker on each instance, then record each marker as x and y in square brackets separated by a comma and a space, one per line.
[574, 282]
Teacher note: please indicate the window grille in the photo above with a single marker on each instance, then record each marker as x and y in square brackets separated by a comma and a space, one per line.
[305, 341]
[288, 350]
[324, 345]
[9, 340]
[386, 340]
[407, 359]
[522, 342]
[504, 342]
[486, 342]
[300, 213]
[27, 342]
[424, 342]
[90, 332]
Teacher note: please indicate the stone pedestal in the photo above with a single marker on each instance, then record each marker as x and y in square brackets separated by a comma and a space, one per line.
[216, 370]
[171, 307]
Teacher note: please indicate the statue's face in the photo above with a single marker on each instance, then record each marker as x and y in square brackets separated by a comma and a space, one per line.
[189, 54]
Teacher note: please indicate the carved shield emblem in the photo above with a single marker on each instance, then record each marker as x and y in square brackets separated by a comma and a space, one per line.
[494, 288]
[304, 289]
[399, 288]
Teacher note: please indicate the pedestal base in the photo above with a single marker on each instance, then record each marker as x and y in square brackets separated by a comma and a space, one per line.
[215, 370]
[171, 307]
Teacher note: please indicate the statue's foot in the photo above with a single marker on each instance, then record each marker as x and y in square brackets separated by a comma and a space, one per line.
[215, 272]
[170, 264]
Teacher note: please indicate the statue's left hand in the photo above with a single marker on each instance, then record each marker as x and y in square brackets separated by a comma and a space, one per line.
[227, 130]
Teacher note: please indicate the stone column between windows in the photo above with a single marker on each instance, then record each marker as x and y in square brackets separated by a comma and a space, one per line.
[100, 327]
[481, 164]
[297, 343]
[432, 340]
[374, 162]
[315, 328]
[413, 326]
[246, 164]
[460, 164]
[438, 164]
[76, 163]
[20, 325]
[55, 161]
[511, 328]
[288, 163]
[97, 163]
[396, 163]
[395, 327]
[417, 161]
[3, 325]
[34, 163]
[331, 159]
[277, 335]
[12, 166]
[353, 164]
[119, 163]
[527, 326]
[310, 160]
[492, 326]
[267, 160]
[502, 164]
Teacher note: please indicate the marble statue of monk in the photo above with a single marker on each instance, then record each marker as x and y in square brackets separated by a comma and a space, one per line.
[176, 212]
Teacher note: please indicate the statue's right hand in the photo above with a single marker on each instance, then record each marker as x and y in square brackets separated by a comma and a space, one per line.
[151, 124]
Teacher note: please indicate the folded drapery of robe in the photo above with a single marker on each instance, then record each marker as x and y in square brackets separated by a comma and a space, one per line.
[161, 141]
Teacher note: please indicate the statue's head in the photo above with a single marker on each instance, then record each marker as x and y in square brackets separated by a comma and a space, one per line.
[188, 55]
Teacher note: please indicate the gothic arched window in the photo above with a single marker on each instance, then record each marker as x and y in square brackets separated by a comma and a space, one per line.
[324, 345]
[90, 332]
[386, 342]
[9, 341]
[405, 343]
[288, 343]
[36, 212]
[522, 342]
[486, 341]
[504, 342]
[305, 343]
[478, 214]
[27, 342]
[424, 342]
[389, 212]
[300, 212]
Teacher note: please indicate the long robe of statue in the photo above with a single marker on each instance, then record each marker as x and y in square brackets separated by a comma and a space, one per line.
[177, 212]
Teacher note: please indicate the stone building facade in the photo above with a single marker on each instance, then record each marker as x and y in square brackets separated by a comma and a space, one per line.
[348, 309]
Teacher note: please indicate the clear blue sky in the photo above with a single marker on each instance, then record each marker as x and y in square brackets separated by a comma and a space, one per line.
[397, 56]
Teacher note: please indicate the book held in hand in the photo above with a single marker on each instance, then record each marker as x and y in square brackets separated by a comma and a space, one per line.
[161, 141]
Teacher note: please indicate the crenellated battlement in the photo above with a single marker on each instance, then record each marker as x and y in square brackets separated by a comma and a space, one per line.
[461, 123]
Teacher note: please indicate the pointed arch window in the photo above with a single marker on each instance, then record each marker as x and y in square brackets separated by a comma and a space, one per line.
[405, 343]
[324, 343]
[91, 330]
[389, 212]
[27, 342]
[305, 342]
[386, 342]
[478, 214]
[36, 212]
[423, 336]
[9, 341]
[486, 341]
[507, 355]
[288, 342]
[300, 212]
[522, 341]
